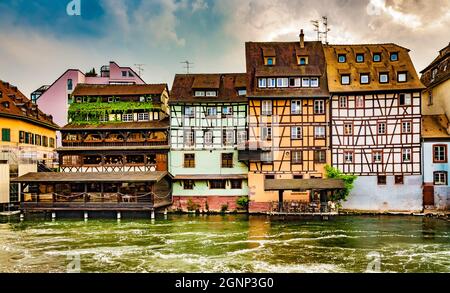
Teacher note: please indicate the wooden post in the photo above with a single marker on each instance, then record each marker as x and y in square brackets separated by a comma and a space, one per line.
[280, 200]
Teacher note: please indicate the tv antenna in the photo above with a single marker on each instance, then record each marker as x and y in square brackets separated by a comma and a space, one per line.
[315, 23]
[321, 27]
[188, 66]
[325, 24]
[140, 68]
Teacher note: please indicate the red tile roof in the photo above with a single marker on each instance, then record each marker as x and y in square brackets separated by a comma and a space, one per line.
[13, 103]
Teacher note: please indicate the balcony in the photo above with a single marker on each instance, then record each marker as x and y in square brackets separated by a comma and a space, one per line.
[114, 143]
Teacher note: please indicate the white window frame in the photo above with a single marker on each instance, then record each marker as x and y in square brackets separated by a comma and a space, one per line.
[306, 82]
[442, 178]
[128, 117]
[314, 82]
[266, 133]
[189, 111]
[343, 102]
[262, 82]
[319, 107]
[377, 157]
[211, 112]
[297, 157]
[282, 82]
[348, 157]
[296, 132]
[381, 128]
[319, 132]
[266, 107]
[145, 116]
[211, 93]
[296, 107]
[406, 155]
[199, 93]
[363, 76]
[402, 77]
[241, 137]
[271, 82]
[188, 138]
[384, 75]
[242, 92]
[208, 138]
[406, 127]
[359, 102]
[408, 99]
[228, 140]
[226, 112]
[344, 78]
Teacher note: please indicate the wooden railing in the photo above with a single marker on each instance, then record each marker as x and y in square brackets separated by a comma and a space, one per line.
[116, 143]
[303, 207]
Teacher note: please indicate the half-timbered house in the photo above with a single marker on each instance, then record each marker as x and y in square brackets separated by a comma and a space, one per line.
[375, 124]
[288, 121]
[208, 122]
[114, 151]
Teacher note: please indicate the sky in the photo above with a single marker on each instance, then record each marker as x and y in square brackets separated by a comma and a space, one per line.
[39, 40]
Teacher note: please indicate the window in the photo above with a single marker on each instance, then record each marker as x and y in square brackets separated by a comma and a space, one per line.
[320, 156]
[406, 127]
[6, 134]
[305, 82]
[188, 138]
[217, 184]
[228, 137]
[143, 117]
[282, 82]
[227, 111]
[271, 82]
[364, 78]
[6, 104]
[45, 141]
[296, 132]
[241, 137]
[295, 82]
[262, 82]
[189, 161]
[319, 132]
[296, 107]
[406, 155]
[384, 77]
[402, 77]
[211, 112]
[189, 112]
[266, 108]
[297, 177]
[399, 179]
[377, 156]
[21, 136]
[297, 157]
[381, 179]
[127, 117]
[345, 79]
[266, 157]
[342, 58]
[188, 184]
[130, 74]
[381, 128]
[236, 184]
[430, 97]
[359, 58]
[211, 93]
[394, 56]
[319, 107]
[227, 160]
[359, 102]
[440, 153]
[376, 57]
[199, 93]
[434, 73]
[348, 129]
[348, 157]
[270, 61]
[208, 138]
[342, 102]
[69, 84]
[405, 99]
[38, 139]
[266, 133]
[242, 92]
[302, 60]
[124, 73]
[440, 178]
[269, 177]
[71, 160]
[314, 82]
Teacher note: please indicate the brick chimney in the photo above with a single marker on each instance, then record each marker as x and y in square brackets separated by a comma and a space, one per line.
[302, 39]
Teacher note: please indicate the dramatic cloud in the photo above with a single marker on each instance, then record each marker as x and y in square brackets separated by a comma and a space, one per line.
[39, 41]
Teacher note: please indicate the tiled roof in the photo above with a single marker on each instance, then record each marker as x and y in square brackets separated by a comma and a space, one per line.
[442, 66]
[227, 86]
[435, 126]
[19, 106]
[286, 65]
[118, 89]
[335, 69]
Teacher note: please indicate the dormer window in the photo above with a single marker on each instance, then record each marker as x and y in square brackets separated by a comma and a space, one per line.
[262, 82]
[384, 77]
[124, 74]
[211, 93]
[271, 82]
[315, 82]
[269, 61]
[282, 82]
[402, 77]
[376, 57]
[199, 93]
[364, 78]
[394, 56]
[69, 84]
[6, 105]
[242, 92]
[345, 79]
[302, 60]
[342, 58]
[359, 58]
[434, 73]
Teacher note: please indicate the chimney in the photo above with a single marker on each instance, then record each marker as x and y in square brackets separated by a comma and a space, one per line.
[302, 39]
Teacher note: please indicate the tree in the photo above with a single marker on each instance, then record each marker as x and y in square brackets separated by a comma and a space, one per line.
[349, 179]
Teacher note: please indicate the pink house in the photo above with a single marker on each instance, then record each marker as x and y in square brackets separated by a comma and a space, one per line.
[54, 99]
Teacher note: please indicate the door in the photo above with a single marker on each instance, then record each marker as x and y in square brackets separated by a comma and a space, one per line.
[428, 195]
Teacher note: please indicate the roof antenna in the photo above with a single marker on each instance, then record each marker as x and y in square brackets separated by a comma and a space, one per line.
[325, 32]
[187, 66]
[140, 68]
[315, 23]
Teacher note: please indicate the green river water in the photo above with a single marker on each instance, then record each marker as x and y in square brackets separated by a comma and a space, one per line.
[230, 243]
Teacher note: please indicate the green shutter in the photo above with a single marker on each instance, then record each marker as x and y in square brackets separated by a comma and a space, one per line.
[6, 134]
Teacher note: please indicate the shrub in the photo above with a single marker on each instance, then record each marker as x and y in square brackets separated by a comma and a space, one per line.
[224, 208]
[349, 179]
[243, 202]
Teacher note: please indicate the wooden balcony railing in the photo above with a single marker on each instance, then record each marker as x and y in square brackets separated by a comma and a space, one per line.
[115, 143]
[302, 207]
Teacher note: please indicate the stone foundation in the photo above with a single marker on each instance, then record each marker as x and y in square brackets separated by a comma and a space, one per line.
[259, 207]
[204, 203]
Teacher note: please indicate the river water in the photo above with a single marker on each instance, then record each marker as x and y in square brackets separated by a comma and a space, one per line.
[230, 243]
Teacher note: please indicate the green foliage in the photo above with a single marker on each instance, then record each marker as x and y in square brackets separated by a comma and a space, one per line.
[348, 179]
[191, 206]
[95, 109]
[224, 208]
[243, 202]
